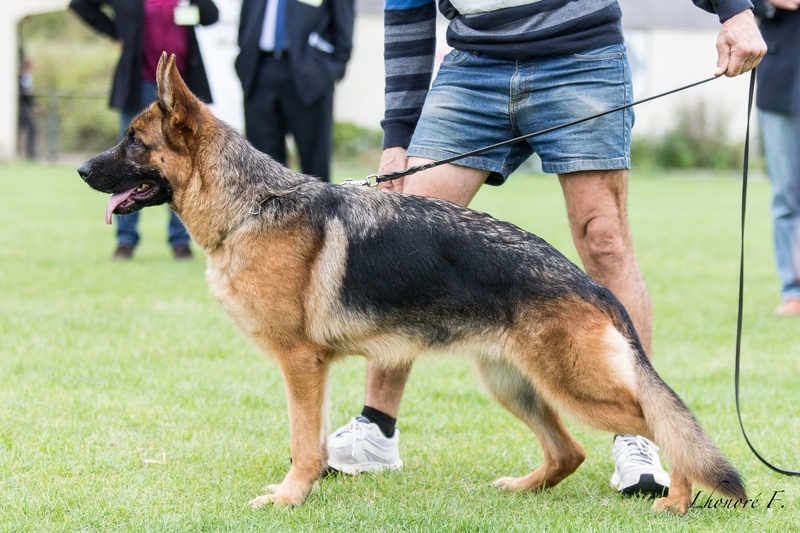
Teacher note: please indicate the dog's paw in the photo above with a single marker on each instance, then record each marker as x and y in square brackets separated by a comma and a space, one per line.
[276, 499]
[261, 501]
[281, 495]
[532, 483]
[504, 483]
[670, 505]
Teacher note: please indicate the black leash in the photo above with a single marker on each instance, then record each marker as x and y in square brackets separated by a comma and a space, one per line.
[412, 170]
[746, 164]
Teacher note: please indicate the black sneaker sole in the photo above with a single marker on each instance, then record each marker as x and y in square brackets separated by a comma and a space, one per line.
[647, 486]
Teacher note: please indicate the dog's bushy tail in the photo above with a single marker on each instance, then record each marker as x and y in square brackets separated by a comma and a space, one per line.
[688, 448]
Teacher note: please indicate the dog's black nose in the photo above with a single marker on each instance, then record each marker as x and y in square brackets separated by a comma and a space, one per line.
[85, 170]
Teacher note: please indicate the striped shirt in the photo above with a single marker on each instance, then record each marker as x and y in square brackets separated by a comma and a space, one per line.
[510, 29]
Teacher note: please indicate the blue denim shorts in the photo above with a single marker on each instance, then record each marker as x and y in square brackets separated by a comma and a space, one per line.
[477, 101]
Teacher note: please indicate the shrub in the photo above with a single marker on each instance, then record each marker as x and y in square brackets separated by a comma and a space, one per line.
[351, 141]
[698, 140]
[73, 69]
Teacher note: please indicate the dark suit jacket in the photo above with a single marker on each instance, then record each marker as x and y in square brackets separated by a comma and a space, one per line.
[314, 66]
[778, 74]
[126, 26]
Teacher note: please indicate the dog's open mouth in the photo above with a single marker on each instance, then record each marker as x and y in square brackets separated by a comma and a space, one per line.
[123, 203]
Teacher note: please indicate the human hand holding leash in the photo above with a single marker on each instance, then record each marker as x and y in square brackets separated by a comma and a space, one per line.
[740, 46]
[392, 160]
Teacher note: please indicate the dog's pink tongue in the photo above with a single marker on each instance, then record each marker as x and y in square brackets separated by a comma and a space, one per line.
[114, 201]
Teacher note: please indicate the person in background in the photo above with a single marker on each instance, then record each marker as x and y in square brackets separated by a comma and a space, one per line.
[145, 29]
[27, 109]
[518, 67]
[778, 102]
[292, 52]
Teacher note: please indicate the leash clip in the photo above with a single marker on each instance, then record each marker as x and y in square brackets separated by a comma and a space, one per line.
[366, 182]
[256, 209]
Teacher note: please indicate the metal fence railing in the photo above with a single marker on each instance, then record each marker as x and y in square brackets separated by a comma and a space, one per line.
[69, 122]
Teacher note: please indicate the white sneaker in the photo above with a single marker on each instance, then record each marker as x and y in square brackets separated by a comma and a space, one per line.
[361, 447]
[637, 468]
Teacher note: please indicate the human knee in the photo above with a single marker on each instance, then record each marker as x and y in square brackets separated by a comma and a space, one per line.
[605, 242]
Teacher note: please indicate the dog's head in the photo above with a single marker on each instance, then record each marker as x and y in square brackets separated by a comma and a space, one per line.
[153, 162]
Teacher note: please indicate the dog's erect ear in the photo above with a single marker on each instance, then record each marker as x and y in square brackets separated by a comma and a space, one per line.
[175, 98]
[165, 64]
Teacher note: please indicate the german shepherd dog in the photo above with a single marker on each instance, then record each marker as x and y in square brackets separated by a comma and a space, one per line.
[312, 272]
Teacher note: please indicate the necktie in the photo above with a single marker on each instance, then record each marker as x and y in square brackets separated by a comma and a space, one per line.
[280, 27]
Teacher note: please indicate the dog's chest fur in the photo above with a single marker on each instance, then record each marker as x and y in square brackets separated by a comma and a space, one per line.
[263, 291]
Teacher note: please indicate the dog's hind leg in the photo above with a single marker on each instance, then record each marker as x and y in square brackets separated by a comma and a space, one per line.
[585, 365]
[305, 371]
[562, 454]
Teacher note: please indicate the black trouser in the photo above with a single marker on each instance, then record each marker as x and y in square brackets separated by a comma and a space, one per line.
[27, 126]
[274, 110]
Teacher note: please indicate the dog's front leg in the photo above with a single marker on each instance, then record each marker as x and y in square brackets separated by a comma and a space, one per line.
[305, 371]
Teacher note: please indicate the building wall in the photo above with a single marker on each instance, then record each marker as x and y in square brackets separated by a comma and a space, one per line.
[219, 48]
[665, 59]
[9, 66]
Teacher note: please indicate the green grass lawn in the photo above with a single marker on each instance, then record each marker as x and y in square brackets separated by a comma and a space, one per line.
[129, 402]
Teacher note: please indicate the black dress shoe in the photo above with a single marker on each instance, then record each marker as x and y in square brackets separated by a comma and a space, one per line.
[123, 252]
[182, 252]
